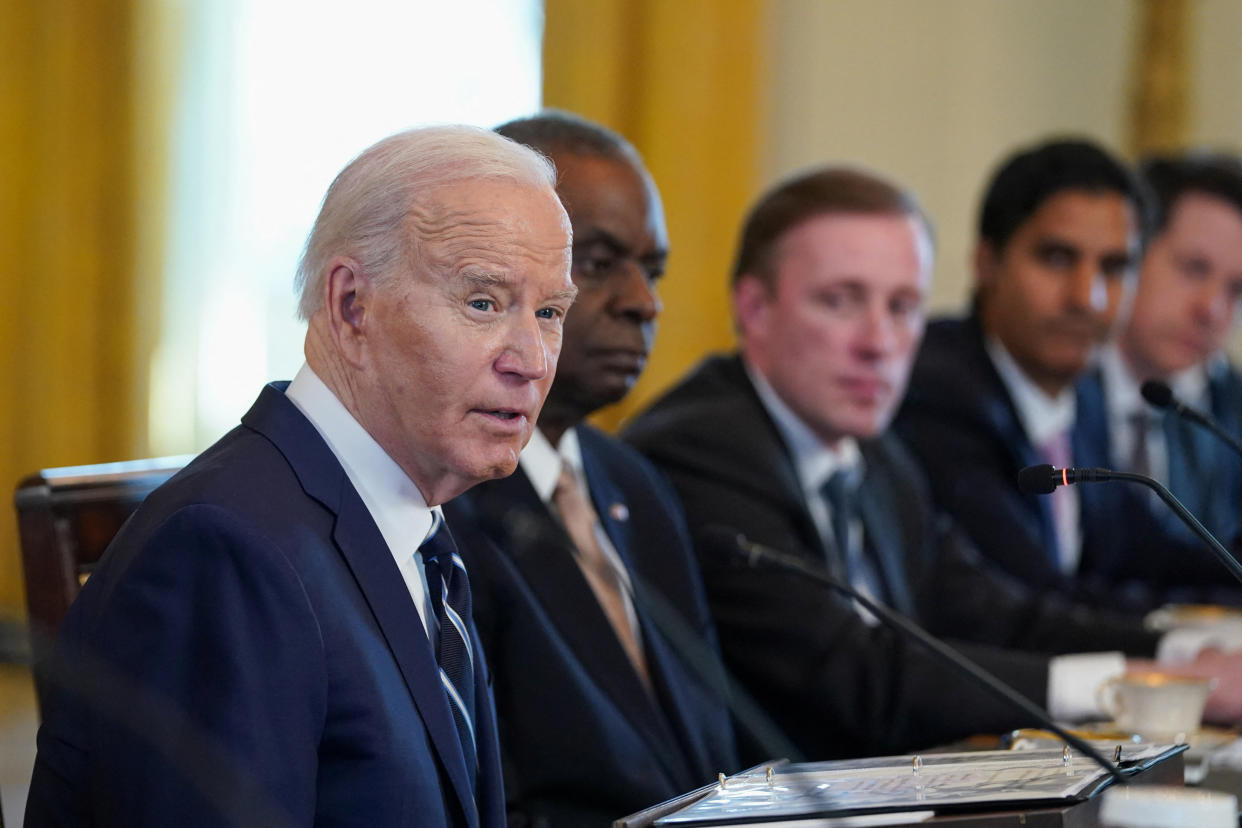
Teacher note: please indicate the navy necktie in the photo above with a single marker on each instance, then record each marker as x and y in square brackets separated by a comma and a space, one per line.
[449, 589]
[840, 492]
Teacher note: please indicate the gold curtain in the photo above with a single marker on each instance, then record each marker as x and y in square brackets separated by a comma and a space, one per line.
[1160, 102]
[683, 81]
[69, 363]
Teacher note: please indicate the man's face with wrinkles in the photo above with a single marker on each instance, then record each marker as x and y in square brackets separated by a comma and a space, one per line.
[466, 332]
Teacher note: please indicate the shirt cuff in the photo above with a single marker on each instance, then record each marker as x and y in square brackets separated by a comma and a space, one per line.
[1182, 645]
[1074, 682]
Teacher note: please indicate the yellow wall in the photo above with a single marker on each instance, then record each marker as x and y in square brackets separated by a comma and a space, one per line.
[80, 141]
[685, 82]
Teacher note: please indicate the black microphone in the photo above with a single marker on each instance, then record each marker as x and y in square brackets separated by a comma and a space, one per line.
[1044, 479]
[1161, 396]
[756, 554]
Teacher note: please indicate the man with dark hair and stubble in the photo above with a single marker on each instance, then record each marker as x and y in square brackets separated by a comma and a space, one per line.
[786, 443]
[598, 714]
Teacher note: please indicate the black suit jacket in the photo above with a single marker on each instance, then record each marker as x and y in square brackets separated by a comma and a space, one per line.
[960, 421]
[582, 741]
[838, 686]
[249, 634]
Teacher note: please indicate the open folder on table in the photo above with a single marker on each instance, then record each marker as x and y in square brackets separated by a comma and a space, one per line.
[930, 784]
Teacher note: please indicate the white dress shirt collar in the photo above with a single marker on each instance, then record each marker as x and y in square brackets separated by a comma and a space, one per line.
[395, 503]
[1121, 387]
[541, 461]
[1042, 417]
[814, 460]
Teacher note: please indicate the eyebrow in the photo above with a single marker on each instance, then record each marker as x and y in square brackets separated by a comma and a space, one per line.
[565, 295]
[480, 279]
[496, 280]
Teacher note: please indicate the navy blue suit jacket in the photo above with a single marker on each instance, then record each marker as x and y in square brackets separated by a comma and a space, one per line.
[960, 421]
[247, 653]
[1206, 476]
[582, 740]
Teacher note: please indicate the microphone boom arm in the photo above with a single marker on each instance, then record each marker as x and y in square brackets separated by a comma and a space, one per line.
[758, 553]
[1218, 549]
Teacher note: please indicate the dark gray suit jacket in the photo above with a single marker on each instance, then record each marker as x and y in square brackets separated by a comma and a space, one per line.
[838, 686]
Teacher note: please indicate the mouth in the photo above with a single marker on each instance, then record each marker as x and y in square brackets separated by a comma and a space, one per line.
[867, 388]
[506, 419]
[622, 359]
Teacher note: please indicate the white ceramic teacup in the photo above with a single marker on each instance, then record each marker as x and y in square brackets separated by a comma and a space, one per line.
[1157, 706]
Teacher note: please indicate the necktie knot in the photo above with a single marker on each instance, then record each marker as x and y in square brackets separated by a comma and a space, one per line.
[1056, 450]
[841, 488]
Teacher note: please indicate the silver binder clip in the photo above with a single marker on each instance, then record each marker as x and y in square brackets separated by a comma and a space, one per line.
[917, 764]
[771, 776]
[1065, 756]
[720, 780]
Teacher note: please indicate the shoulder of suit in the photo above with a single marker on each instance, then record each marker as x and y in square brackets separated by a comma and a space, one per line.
[708, 396]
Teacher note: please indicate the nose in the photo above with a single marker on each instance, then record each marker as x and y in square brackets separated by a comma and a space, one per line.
[524, 353]
[878, 333]
[1214, 306]
[635, 295]
[1088, 288]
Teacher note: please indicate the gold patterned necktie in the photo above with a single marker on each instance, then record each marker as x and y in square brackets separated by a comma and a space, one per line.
[580, 523]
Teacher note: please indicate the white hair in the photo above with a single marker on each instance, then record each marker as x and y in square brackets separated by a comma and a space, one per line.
[364, 212]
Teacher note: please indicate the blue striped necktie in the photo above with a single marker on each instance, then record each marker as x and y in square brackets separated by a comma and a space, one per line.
[449, 588]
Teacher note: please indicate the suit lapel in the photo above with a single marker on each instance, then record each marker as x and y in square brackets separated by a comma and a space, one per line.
[618, 522]
[1091, 446]
[369, 559]
[886, 538]
[367, 555]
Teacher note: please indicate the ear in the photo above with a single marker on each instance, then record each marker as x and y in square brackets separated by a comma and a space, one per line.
[347, 302]
[987, 263]
[750, 306]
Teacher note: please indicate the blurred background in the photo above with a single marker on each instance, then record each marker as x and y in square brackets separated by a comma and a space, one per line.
[161, 160]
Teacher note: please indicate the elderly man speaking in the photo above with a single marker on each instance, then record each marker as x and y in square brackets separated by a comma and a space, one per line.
[288, 612]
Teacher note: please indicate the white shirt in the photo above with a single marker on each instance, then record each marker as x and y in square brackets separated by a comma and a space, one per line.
[816, 462]
[1124, 399]
[1072, 679]
[395, 503]
[541, 462]
[1043, 418]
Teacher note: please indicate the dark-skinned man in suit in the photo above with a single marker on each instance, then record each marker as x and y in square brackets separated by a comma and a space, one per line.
[599, 715]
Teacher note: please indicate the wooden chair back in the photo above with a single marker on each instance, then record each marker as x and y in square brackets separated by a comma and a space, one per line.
[66, 518]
